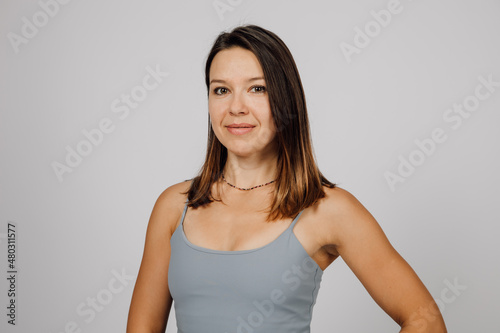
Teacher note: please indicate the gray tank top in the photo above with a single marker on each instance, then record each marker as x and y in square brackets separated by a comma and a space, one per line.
[272, 288]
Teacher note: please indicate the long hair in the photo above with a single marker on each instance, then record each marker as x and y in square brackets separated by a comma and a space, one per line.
[299, 181]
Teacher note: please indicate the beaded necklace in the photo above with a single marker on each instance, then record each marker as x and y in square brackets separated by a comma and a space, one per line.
[247, 189]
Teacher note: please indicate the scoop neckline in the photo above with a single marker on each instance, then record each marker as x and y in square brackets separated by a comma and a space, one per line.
[213, 251]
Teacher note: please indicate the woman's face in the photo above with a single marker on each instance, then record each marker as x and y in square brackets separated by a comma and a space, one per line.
[238, 95]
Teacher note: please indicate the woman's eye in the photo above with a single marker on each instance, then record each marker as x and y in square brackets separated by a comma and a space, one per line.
[222, 90]
[216, 90]
[260, 89]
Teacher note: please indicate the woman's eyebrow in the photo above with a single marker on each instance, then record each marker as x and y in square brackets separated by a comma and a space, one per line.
[249, 80]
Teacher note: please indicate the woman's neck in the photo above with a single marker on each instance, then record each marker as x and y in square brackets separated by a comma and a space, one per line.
[247, 172]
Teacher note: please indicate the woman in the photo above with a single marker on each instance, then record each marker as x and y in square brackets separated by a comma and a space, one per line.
[242, 247]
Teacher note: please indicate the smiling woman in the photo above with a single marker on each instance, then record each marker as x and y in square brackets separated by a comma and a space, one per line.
[238, 103]
[242, 246]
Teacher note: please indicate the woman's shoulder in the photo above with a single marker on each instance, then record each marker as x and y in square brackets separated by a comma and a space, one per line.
[337, 198]
[329, 208]
[176, 191]
[339, 206]
[341, 214]
[170, 203]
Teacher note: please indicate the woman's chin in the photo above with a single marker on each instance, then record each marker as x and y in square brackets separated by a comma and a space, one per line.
[241, 152]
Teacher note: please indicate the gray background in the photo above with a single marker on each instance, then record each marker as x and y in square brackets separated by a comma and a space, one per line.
[366, 112]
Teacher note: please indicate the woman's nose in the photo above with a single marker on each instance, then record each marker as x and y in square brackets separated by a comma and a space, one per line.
[237, 104]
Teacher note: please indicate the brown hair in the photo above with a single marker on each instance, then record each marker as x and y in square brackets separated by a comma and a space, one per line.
[299, 182]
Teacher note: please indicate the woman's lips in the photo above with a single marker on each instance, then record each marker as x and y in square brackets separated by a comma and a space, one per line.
[239, 130]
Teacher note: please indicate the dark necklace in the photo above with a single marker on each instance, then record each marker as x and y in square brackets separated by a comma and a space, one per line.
[247, 189]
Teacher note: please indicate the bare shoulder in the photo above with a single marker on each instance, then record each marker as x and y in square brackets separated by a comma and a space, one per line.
[341, 215]
[338, 202]
[170, 204]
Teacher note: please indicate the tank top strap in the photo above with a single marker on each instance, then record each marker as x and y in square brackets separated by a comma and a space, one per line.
[185, 205]
[295, 220]
[184, 212]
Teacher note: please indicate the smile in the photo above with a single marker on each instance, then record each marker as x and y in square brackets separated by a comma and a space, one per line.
[239, 130]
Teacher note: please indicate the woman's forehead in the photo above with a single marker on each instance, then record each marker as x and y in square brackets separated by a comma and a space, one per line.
[235, 63]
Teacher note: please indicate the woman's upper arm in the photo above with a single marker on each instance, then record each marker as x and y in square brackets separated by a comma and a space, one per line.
[151, 300]
[387, 277]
